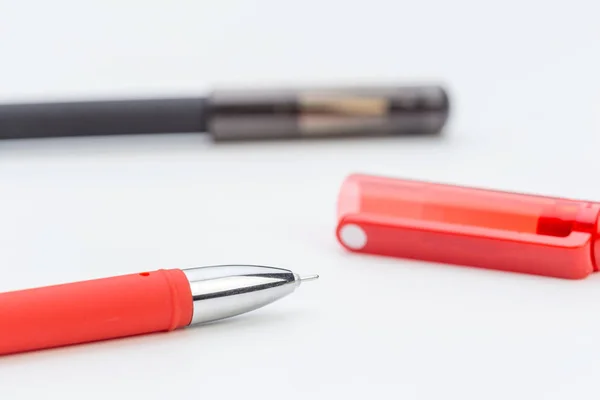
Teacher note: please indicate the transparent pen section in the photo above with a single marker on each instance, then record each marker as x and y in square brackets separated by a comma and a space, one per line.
[460, 206]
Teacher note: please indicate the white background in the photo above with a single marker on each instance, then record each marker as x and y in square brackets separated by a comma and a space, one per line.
[524, 78]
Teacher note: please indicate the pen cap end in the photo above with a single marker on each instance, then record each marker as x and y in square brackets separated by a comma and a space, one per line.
[595, 253]
[328, 112]
[587, 220]
[594, 211]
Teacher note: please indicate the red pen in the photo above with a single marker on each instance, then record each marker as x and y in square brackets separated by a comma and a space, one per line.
[136, 304]
[517, 232]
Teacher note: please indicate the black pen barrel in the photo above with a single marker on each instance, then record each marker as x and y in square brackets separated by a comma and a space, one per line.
[92, 118]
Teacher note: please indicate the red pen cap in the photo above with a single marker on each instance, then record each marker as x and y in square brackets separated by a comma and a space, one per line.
[468, 226]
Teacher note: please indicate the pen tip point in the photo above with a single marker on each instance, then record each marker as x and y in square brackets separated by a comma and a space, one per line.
[309, 277]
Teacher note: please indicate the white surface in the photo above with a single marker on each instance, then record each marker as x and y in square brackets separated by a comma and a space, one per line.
[526, 95]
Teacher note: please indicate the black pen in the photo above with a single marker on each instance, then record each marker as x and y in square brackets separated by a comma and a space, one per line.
[244, 114]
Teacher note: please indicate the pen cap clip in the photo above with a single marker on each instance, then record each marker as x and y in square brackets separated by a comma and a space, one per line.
[468, 226]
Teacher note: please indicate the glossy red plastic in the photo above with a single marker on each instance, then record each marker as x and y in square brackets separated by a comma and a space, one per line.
[468, 226]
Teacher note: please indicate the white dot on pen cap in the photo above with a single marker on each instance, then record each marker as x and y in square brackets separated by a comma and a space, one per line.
[353, 236]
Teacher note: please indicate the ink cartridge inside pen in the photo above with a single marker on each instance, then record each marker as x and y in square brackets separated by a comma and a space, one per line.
[469, 226]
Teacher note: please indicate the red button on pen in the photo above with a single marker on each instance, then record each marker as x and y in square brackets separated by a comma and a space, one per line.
[475, 227]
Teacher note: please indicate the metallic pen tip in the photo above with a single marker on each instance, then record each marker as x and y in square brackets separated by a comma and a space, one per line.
[309, 278]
